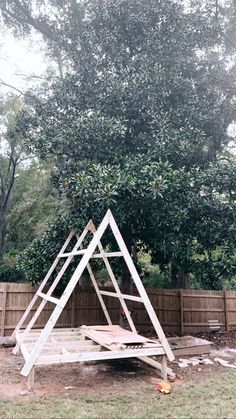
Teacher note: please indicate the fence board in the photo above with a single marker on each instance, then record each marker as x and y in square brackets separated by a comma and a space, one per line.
[179, 311]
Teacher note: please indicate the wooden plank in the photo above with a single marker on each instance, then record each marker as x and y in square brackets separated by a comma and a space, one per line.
[108, 335]
[201, 324]
[98, 356]
[72, 253]
[181, 303]
[94, 256]
[73, 308]
[226, 311]
[194, 350]
[164, 367]
[31, 379]
[203, 310]
[108, 255]
[24, 351]
[67, 344]
[202, 296]
[58, 339]
[3, 317]
[154, 363]
[56, 330]
[52, 348]
[125, 296]
[48, 298]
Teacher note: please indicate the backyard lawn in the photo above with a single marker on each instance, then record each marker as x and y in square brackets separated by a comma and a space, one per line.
[207, 398]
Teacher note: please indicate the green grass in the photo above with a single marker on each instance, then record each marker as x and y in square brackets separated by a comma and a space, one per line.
[213, 398]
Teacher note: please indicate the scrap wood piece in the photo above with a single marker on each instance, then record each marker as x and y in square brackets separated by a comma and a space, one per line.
[224, 363]
[183, 364]
[115, 335]
[207, 361]
[194, 361]
[189, 345]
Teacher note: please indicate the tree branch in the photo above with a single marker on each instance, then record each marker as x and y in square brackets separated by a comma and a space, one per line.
[30, 20]
[2, 182]
[34, 76]
[11, 87]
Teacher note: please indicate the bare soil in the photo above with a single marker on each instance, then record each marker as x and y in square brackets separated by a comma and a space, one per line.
[100, 378]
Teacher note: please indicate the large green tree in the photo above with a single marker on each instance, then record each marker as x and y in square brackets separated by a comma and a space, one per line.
[139, 120]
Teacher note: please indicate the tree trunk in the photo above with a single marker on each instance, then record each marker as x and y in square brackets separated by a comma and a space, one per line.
[178, 277]
[3, 230]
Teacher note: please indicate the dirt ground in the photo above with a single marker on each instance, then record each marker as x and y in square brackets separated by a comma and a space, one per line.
[110, 377]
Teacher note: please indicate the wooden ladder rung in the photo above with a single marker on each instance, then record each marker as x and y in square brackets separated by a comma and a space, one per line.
[73, 253]
[125, 296]
[48, 297]
[107, 255]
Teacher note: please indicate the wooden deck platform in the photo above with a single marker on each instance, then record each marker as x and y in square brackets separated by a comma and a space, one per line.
[88, 344]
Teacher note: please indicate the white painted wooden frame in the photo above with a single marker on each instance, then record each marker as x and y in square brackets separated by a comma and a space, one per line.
[33, 357]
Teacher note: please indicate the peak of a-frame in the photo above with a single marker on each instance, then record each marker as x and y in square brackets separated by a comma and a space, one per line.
[90, 226]
[108, 212]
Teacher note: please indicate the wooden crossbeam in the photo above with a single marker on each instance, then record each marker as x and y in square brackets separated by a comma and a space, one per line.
[94, 256]
[48, 297]
[98, 356]
[107, 255]
[125, 296]
[72, 253]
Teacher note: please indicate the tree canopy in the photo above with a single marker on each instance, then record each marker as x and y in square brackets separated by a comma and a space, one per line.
[138, 122]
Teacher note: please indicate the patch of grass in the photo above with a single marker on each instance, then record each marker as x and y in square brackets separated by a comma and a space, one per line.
[213, 398]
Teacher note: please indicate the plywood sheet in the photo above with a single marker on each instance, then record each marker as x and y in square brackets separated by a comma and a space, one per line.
[114, 335]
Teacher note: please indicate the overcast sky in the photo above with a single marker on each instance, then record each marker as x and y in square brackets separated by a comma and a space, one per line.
[19, 59]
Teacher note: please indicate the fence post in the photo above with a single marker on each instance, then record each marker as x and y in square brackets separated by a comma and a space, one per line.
[181, 311]
[226, 310]
[73, 307]
[4, 300]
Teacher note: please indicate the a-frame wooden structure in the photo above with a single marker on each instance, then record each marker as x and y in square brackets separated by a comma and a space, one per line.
[40, 347]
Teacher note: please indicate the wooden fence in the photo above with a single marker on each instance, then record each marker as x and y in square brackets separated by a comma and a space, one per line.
[179, 311]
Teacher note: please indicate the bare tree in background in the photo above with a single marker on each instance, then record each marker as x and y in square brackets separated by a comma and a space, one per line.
[11, 155]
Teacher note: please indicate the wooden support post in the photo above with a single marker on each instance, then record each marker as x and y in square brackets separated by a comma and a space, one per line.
[226, 310]
[155, 364]
[164, 367]
[181, 298]
[4, 300]
[73, 307]
[31, 379]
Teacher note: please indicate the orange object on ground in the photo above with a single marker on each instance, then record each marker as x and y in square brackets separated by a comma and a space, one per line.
[163, 387]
